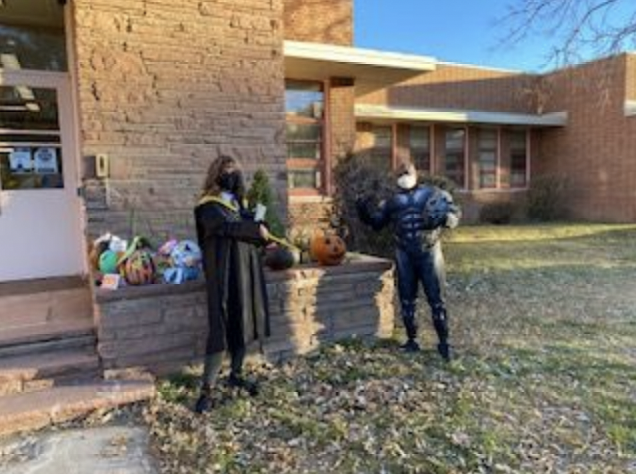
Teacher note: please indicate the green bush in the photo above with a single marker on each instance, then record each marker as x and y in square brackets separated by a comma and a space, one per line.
[355, 178]
[261, 192]
[497, 212]
[546, 198]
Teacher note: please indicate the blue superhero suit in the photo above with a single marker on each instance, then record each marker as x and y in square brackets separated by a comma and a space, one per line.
[417, 217]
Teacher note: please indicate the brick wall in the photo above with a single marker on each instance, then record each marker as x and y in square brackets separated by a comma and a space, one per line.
[462, 87]
[165, 86]
[319, 21]
[163, 327]
[595, 151]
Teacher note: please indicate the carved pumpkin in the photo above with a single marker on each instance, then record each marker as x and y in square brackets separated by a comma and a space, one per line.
[328, 249]
[138, 268]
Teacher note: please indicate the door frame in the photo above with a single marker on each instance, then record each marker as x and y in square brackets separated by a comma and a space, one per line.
[67, 113]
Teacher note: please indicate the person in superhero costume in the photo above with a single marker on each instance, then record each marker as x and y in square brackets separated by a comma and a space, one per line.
[418, 214]
[236, 292]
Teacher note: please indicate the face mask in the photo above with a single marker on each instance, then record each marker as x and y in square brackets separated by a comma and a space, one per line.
[407, 181]
[230, 181]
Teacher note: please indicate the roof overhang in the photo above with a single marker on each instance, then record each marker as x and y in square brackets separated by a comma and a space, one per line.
[630, 108]
[370, 69]
[385, 113]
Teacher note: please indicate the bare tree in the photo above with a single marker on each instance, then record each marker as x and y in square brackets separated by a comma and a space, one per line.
[576, 29]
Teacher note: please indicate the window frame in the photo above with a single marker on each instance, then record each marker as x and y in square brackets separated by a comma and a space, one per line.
[495, 173]
[526, 160]
[464, 164]
[429, 148]
[320, 165]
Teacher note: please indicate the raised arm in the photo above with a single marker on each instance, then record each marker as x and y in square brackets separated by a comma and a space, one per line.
[376, 218]
[211, 221]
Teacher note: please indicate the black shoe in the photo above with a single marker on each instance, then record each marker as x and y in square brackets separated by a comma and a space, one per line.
[410, 346]
[445, 351]
[204, 404]
[249, 386]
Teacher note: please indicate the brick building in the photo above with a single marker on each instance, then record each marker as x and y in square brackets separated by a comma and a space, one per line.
[111, 111]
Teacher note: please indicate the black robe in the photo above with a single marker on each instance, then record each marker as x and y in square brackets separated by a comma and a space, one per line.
[237, 296]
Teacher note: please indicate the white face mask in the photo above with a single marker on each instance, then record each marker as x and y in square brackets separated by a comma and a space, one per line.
[407, 181]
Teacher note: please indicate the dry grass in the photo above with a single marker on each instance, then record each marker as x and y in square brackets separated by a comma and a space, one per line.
[544, 319]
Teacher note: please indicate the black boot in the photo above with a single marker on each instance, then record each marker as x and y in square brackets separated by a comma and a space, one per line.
[445, 350]
[410, 346]
[238, 381]
[408, 318]
[440, 321]
[204, 403]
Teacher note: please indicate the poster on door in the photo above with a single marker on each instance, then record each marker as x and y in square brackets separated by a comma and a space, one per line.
[45, 161]
[20, 161]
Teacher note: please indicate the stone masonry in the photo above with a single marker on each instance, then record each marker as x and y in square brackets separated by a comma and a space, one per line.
[163, 327]
[165, 86]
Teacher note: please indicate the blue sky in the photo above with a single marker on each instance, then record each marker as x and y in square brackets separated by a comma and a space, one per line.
[459, 31]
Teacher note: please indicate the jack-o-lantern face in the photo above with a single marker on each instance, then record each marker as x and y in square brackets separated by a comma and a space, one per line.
[328, 249]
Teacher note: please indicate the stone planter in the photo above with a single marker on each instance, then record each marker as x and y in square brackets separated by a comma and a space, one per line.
[163, 327]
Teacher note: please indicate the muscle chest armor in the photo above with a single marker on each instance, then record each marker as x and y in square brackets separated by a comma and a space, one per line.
[408, 213]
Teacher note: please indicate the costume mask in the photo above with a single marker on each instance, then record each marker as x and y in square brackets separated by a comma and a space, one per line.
[407, 181]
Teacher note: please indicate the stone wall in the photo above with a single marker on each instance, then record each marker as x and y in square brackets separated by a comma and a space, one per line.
[164, 87]
[163, 327]
[319, 21]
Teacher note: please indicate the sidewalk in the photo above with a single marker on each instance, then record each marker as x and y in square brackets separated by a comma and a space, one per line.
[103, 450]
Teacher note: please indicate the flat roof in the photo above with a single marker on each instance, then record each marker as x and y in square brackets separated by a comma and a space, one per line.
[383, 112]
[371, 69]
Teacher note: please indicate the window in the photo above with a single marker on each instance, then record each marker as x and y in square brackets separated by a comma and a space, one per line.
[304, 107]
[420, 148]
[30, 139]
[487, 140]
[381, 153]
[455, 155]
[518, 158]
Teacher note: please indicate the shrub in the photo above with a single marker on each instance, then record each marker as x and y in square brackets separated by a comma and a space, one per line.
[355, 178]
[261, 192]
[546, 198]
[497, 212]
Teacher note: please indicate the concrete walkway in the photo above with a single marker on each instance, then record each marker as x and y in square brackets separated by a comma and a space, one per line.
[104, 450]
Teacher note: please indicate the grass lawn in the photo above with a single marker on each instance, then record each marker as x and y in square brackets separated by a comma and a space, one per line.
[544, 322]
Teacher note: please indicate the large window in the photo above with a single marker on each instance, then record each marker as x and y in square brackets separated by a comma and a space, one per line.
[487, 146]
[455, 155]
[381, 153]
[304, 106]
[518, 158]
[420, 147]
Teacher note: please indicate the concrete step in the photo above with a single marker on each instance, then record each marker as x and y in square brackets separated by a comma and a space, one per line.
[35, 410]
[37, 370]
[12, 338]
[78, 340]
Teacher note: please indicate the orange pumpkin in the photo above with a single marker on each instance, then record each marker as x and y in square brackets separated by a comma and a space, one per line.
[327, 249]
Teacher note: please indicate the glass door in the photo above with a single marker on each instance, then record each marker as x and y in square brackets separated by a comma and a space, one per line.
[40, 231]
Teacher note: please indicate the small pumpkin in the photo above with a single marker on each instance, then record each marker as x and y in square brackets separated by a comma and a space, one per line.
[279, 258]
[327, 249]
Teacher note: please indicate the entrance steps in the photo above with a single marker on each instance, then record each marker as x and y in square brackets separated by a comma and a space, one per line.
[50, 371]
[52, 378]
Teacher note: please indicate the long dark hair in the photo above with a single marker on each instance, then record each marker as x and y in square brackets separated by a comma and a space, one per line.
[217, 168]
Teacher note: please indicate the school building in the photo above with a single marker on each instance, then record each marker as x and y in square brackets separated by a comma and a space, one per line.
[112, 110]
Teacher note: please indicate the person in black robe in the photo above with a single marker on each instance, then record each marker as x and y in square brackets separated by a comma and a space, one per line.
[236, 292]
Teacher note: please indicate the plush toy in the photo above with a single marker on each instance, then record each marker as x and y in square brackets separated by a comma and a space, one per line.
[185, 259]
[327, 249]
[108, 262]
